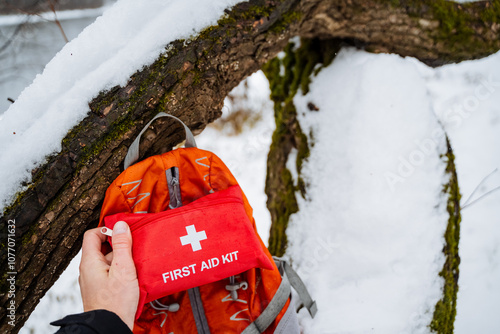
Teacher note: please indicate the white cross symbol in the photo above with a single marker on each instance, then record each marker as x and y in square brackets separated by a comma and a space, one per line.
[193, 238]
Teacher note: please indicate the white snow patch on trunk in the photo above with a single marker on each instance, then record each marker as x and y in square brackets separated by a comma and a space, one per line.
[467, 100]
[291, 165]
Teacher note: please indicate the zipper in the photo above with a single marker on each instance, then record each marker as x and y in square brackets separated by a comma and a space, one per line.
[162, 214]
[174, 189]
[200, 318]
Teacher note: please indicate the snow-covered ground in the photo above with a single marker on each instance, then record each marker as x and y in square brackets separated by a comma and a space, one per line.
[371, 250]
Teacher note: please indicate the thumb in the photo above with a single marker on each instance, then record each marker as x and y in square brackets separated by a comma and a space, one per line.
[122, 248]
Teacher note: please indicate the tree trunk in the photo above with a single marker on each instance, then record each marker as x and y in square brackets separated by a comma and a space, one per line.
[190, 80]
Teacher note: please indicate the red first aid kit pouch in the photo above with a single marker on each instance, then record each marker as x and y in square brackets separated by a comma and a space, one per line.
[202, 242]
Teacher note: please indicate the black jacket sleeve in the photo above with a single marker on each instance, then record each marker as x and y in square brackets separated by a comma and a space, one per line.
[92, 322]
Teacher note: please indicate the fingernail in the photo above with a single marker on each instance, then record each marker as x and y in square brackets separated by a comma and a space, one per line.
[120, 227]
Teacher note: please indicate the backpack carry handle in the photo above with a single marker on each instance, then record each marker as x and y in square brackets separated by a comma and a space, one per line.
[133, 151]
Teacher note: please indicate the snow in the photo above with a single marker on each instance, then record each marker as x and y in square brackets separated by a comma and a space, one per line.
[126, 37]
[370, 250]
[291, 164]
[245, 154]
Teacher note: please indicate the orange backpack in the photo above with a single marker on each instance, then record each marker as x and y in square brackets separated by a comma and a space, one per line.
[255, 301]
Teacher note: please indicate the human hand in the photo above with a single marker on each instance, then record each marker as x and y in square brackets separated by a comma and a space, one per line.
[109, 282]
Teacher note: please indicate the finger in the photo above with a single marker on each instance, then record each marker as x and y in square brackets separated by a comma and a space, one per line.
[122, 251]
[109, 257]
[91, 246]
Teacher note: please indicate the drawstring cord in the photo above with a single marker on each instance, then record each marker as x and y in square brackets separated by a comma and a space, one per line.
[171, 308]
[232, 287]
[164, 308]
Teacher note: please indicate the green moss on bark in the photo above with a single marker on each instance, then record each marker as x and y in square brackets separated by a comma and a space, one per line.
[286, 76]
[287, 19]
[445, 309]
[460, 26]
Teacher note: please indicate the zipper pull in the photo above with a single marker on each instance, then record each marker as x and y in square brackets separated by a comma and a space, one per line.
[176, 201]
[107, 231]
[174, 190]
[160, 307]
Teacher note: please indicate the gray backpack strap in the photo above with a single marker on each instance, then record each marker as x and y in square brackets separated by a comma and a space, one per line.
[299, 286]
[133, 151]
[290, 278]
[272, 310]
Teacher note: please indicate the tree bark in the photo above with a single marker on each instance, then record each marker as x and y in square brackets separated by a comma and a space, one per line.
[190, 80]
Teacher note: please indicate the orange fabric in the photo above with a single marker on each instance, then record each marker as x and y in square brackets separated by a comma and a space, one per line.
[143, 188]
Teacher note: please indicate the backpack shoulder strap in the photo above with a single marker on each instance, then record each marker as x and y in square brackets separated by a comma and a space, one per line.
[290, 278]
[133, 151]
[299, 286]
